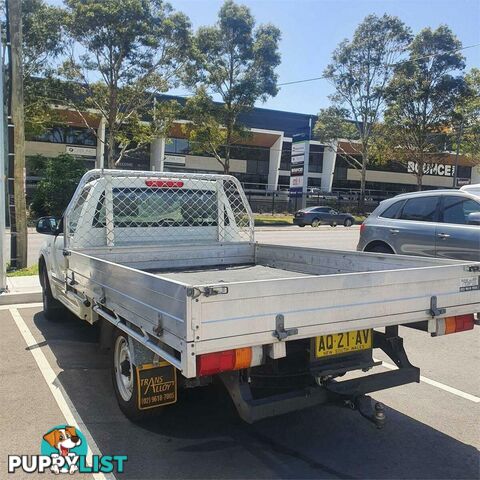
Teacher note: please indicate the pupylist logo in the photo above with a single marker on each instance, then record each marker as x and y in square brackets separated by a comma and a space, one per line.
[64, 450]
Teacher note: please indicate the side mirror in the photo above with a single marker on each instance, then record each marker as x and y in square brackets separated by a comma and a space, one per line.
[473, 218]
[48, 225]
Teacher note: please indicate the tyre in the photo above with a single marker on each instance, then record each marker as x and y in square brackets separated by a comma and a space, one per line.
[333, 224]
[124, 377]
[315, 222]
[380, 249]
[301, 226]
[53, 310]
[348, 222]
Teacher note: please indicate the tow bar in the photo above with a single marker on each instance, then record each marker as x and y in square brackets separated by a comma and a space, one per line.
[368, 408]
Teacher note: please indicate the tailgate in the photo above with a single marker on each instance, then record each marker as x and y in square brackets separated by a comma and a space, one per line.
[244, 313]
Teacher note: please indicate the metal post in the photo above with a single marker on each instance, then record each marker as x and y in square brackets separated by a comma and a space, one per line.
[3, 265]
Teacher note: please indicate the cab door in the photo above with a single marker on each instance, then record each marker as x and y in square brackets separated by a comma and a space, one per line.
[455, 238]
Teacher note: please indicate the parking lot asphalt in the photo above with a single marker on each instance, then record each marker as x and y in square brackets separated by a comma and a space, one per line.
[53, 371]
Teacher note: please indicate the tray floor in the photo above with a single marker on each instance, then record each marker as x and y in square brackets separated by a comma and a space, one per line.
[227, 274]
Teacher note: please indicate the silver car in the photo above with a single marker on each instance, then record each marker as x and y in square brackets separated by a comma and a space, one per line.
[436, 223]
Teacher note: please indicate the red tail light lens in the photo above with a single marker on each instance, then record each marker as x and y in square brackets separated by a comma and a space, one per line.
[164, 183]
[362, 228]
[212, 363]
[464, 322]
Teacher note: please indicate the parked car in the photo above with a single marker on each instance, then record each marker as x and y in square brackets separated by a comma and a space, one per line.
[473, 189]
[437, 223]
[316, 216]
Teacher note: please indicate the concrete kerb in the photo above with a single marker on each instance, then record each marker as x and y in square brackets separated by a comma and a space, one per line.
[22, 290]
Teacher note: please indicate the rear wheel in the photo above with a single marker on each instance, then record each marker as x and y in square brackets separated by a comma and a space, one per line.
[333, 224]
[380, 249]
[348, 222]
[124, 377]
[53, 310]
[315, 222]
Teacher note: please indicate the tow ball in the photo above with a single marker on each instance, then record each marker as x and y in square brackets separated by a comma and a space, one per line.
[368, 408]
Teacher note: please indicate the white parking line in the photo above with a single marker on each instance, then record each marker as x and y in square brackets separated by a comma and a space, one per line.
[66, 406]
[21, 305]
[434, 383]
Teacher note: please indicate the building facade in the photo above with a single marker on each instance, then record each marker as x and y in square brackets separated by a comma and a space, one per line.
[261, 163]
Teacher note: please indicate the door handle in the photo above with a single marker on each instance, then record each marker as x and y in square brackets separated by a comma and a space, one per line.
[394, 230]
[443, 235]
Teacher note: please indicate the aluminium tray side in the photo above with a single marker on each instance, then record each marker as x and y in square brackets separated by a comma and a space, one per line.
[335, 302]
[149, 298]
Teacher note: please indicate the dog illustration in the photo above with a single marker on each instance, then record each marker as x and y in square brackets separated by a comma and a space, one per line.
[63, 439]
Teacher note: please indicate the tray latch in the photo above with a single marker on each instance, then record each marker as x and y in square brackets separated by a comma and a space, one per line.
[280, 331]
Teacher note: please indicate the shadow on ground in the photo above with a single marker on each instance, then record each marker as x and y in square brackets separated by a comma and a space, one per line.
[202, 437]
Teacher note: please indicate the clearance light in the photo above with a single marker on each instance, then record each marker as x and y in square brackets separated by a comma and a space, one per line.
[164, 183]
[211, 363]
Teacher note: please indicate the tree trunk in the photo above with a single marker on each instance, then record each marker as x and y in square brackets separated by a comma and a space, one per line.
[419, 179]
[111, 148]
[363, 180]
[15, 24]
[226, 163]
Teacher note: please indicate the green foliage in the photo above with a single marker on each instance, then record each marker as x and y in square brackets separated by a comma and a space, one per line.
[467, 118]
[422, 96]
[360, 71]
[235, 61]
[138, 49]
[60, 179]
[43, 42]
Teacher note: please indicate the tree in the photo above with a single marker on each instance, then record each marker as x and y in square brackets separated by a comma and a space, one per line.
[43, 43]
[360, 71]
[331, 126]
[235, 62]
[130, 50]
[60, 177]
[467, 118]
[422, 97]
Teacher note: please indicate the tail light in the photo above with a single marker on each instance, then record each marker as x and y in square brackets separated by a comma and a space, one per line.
[163, 183]
[211, 363]
[459, 323]
[362, 228]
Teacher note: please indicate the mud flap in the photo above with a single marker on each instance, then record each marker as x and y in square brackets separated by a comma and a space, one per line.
[156, 385]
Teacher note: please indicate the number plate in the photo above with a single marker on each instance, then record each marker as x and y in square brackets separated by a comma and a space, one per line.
[338, 343]
[157, 385]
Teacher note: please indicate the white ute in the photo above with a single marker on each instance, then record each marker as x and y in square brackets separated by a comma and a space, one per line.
[168, 264]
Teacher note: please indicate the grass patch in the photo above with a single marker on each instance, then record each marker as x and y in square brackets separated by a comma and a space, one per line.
[273, 220]
[23, 272]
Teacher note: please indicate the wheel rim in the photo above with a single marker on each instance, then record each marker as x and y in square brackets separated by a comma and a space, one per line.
[123, 368]
[315, 223]
[348, 223]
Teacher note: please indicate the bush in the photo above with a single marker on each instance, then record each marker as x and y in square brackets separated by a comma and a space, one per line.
[60, 179]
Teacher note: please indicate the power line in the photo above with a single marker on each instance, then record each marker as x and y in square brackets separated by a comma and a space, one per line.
[294, 82]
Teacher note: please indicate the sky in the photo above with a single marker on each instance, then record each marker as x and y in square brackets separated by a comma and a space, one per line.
[311, 29]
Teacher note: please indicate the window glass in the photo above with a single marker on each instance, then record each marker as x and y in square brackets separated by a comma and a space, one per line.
[392, 210]
[422, 209]
[146, 207]
[456, 209]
